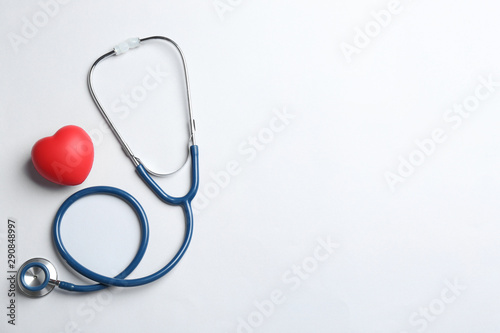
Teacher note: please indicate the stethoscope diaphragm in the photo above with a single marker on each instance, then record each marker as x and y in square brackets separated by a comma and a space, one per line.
[37, 277]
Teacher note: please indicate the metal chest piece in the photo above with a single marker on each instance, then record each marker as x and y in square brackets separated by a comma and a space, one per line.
[37, 277]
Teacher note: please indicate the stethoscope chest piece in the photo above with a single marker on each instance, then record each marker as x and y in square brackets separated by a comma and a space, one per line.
[37, 277]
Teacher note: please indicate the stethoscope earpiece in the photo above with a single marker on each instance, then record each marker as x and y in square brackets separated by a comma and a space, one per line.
[37, 277]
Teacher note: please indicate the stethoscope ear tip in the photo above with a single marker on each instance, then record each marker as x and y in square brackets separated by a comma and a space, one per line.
[37, 277]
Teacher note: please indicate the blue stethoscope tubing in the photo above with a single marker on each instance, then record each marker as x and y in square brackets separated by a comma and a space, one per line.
[120, 279]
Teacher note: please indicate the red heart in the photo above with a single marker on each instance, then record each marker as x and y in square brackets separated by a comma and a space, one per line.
[65, 158]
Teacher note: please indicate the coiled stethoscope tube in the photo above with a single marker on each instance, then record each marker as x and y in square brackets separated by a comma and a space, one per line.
[37, 277]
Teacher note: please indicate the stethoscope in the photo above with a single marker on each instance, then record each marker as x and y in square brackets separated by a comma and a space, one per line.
[38, 276]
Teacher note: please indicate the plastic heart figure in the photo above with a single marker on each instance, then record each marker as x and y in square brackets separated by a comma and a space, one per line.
[65, 158]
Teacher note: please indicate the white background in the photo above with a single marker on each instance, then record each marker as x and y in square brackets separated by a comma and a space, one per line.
[321, 177]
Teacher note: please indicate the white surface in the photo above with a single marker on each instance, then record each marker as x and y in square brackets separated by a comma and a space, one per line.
[322, 176]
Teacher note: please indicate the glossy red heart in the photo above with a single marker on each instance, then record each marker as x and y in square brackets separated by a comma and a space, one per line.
[65, 158]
